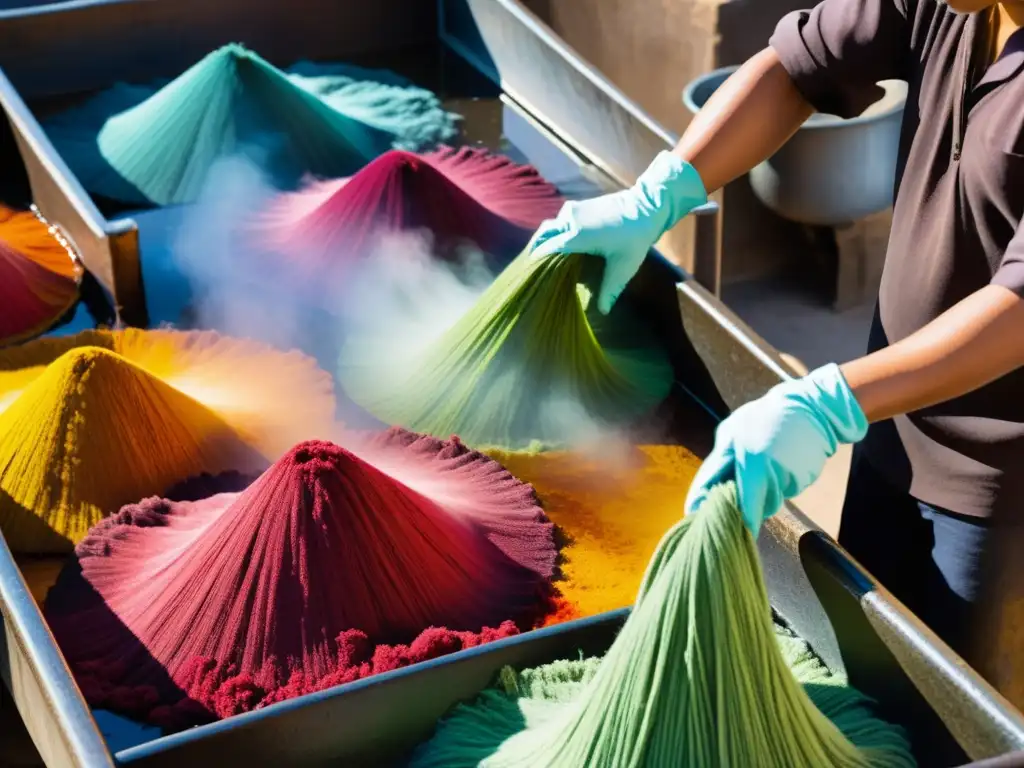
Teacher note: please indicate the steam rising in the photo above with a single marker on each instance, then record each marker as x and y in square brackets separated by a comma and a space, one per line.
[397, 294]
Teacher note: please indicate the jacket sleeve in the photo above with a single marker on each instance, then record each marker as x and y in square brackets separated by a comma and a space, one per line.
[1011, 271]
[838, 51]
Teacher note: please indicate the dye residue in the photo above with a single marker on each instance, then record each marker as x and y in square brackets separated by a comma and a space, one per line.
[611, 513]
[38, 279]
[696, 677]
[155, 144]
[530, 362]
[458, 196]
[324, 570]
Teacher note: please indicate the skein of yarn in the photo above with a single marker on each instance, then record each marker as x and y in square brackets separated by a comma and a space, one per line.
[531, 363]
[696, 677]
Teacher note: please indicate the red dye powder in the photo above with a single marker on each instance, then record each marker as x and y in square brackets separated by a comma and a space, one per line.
[218, 691]
[464, 195]
[182, 611]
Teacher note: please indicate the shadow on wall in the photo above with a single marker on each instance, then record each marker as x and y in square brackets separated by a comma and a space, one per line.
[651, 49]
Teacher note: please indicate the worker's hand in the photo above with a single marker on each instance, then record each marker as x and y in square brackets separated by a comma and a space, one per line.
[623, 226]
[776, 446]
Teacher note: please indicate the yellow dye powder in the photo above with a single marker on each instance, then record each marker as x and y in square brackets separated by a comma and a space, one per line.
[613, 511]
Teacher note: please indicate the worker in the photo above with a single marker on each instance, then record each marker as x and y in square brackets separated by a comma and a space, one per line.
[941, 385]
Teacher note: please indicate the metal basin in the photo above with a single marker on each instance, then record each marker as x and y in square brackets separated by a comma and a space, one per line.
[833, 171]
[566, 119]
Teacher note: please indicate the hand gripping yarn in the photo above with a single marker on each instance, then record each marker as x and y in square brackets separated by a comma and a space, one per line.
[531, 363]
[96, 420]
[458, 195]
[173, 609]
[155, 144]
[39, 281]
[696, 677]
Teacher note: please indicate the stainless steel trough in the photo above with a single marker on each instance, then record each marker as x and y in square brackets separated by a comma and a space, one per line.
[560, 114]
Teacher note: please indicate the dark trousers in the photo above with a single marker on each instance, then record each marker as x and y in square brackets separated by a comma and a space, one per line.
[929, 558]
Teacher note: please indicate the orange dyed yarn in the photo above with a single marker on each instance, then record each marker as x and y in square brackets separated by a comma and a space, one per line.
[39, 281]
[25, 233]
[101, 419]
[613, 513]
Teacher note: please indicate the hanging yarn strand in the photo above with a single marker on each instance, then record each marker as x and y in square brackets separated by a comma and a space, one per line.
[530, 362]
[695, 678]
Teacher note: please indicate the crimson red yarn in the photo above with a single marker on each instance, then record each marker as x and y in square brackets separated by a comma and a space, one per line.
[459, 195]
[179, 612]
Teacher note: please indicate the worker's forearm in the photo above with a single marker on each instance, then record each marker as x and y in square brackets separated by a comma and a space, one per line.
[747, 119]
[976, 341]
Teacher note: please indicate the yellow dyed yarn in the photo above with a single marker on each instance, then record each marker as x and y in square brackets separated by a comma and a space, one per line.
[92, 433]
[274, 399]
[86, 428]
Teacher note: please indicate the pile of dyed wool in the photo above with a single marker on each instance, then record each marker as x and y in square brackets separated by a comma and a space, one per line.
[39, 279]
[381, 98]
[696, 677]
[100, 419]
[305, 575]
[155, 144]
[531, 363]
[459, 195]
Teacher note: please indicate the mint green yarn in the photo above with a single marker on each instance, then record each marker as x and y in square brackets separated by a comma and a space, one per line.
[698, 676]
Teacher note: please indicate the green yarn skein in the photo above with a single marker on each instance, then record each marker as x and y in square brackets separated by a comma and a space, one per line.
[532, 363]
[698, 676]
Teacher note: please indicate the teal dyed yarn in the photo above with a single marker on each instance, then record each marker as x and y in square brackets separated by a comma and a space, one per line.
[155, 144]
[698, 676]
[412, 116]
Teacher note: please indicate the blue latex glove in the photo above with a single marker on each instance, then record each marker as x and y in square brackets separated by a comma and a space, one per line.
[622, 227]
[776, 446]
